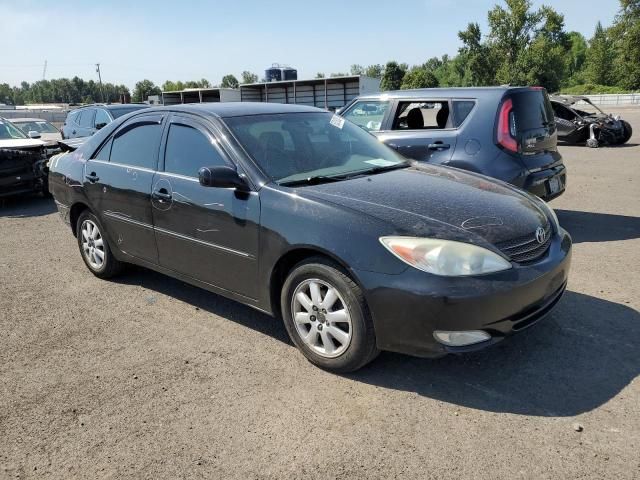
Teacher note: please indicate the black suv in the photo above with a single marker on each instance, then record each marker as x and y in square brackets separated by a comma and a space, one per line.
[508, 133]
[85, 121]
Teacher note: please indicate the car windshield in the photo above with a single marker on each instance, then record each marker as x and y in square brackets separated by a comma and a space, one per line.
[9, 131]
[36, 126]
[293, 147]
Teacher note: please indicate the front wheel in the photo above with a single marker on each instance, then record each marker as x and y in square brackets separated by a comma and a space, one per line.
[326, 317]
[94, 247]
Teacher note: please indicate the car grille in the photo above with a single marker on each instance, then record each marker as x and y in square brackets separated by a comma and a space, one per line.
[526, 249]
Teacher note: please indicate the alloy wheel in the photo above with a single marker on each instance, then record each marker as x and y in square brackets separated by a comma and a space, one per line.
[92, 244]
[321, 317]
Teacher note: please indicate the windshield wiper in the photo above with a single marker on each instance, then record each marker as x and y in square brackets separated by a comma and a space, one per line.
[374, 170]
[314, 180]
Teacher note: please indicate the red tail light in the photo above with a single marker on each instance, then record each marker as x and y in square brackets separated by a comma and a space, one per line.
[506, 127]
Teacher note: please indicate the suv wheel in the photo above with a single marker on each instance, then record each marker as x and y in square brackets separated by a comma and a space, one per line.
[94, 247]
[326, 317]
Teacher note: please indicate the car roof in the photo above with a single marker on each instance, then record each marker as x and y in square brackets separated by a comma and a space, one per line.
[27, 119]
[237, 109]
[111, 106]
[444, 92]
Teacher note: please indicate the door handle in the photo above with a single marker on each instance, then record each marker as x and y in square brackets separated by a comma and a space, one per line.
[92, 177]
[161, 195]
[73, 132]
[438, 146]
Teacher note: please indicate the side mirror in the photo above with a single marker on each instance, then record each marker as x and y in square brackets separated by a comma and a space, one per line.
[100, 125]
[221, 177]
[34, 134]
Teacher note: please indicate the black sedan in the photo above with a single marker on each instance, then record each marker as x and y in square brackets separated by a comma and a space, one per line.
[303, 215]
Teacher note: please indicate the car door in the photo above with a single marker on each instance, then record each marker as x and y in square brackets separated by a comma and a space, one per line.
[118, 180]
[422, 129]
[86, 123]
[207, 233]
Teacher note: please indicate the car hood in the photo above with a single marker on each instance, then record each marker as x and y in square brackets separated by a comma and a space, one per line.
[437, 202]
[20, 143]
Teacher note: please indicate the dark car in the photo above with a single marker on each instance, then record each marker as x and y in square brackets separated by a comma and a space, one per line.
[23, 162]
[506, 133]
[299, 213]
[591, 128]
[85, 121]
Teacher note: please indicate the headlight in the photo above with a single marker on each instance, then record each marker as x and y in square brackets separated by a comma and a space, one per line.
[445, 257]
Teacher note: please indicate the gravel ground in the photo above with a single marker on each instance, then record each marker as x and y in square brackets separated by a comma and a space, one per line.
[146, 377]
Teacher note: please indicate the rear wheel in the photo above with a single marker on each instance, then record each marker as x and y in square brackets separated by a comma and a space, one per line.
[94, 247]
[628, 131]
[326, 317]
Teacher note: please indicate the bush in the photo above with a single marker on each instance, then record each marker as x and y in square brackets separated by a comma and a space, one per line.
[592, 89]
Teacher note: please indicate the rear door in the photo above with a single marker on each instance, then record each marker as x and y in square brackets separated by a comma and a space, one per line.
[85, 126]
[422, 129]
[535, 127]
[118, 180]
[207, 233]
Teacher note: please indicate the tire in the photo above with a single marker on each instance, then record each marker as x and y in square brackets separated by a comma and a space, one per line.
[343, 340]
[628, 131]
[92, 243]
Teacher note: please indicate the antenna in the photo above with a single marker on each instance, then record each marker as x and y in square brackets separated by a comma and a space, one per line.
[44, 70]
[100, 80]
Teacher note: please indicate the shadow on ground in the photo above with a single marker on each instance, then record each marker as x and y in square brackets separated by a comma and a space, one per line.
[583, 145]
[204, 300]
[26, 206]
[575, 360]
[598, 227]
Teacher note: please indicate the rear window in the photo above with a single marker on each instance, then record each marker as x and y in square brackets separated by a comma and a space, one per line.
[532, 110]
[120, 111]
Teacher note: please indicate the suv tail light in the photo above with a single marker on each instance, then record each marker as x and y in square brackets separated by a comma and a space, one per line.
[507, 127]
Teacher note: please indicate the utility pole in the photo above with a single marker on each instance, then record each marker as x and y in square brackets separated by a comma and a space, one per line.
[100, 80]
[44, 70]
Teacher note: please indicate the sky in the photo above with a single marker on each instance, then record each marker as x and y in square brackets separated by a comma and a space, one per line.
[190, 40]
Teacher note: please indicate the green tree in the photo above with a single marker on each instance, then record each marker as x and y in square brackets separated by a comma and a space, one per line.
[577, 55]
[249, 77]
[338, 74]
[319, 75]
[419, 77]
[479, 67]
[374, 71]
[356, 69]
[599, 61]
[625, 35]
[143, 89]
[229, 81]
[392, 76]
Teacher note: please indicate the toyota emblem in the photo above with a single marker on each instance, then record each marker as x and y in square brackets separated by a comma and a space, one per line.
[541, 235]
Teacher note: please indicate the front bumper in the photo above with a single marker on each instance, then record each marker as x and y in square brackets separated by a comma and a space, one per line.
[407, 308]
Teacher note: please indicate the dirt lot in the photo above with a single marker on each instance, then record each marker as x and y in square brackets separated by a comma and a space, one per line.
[146, 377]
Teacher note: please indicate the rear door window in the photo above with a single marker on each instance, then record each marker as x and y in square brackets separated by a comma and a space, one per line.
[86, 120]
[102, 118]
[368, 114]
[137, 144]
[422, 114]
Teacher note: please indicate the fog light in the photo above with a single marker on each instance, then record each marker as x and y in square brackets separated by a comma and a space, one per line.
[460, 339]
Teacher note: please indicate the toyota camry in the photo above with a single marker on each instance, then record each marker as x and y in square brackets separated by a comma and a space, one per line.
[305, 216]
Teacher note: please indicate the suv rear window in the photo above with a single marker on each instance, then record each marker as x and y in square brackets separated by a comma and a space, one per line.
[532, 110]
